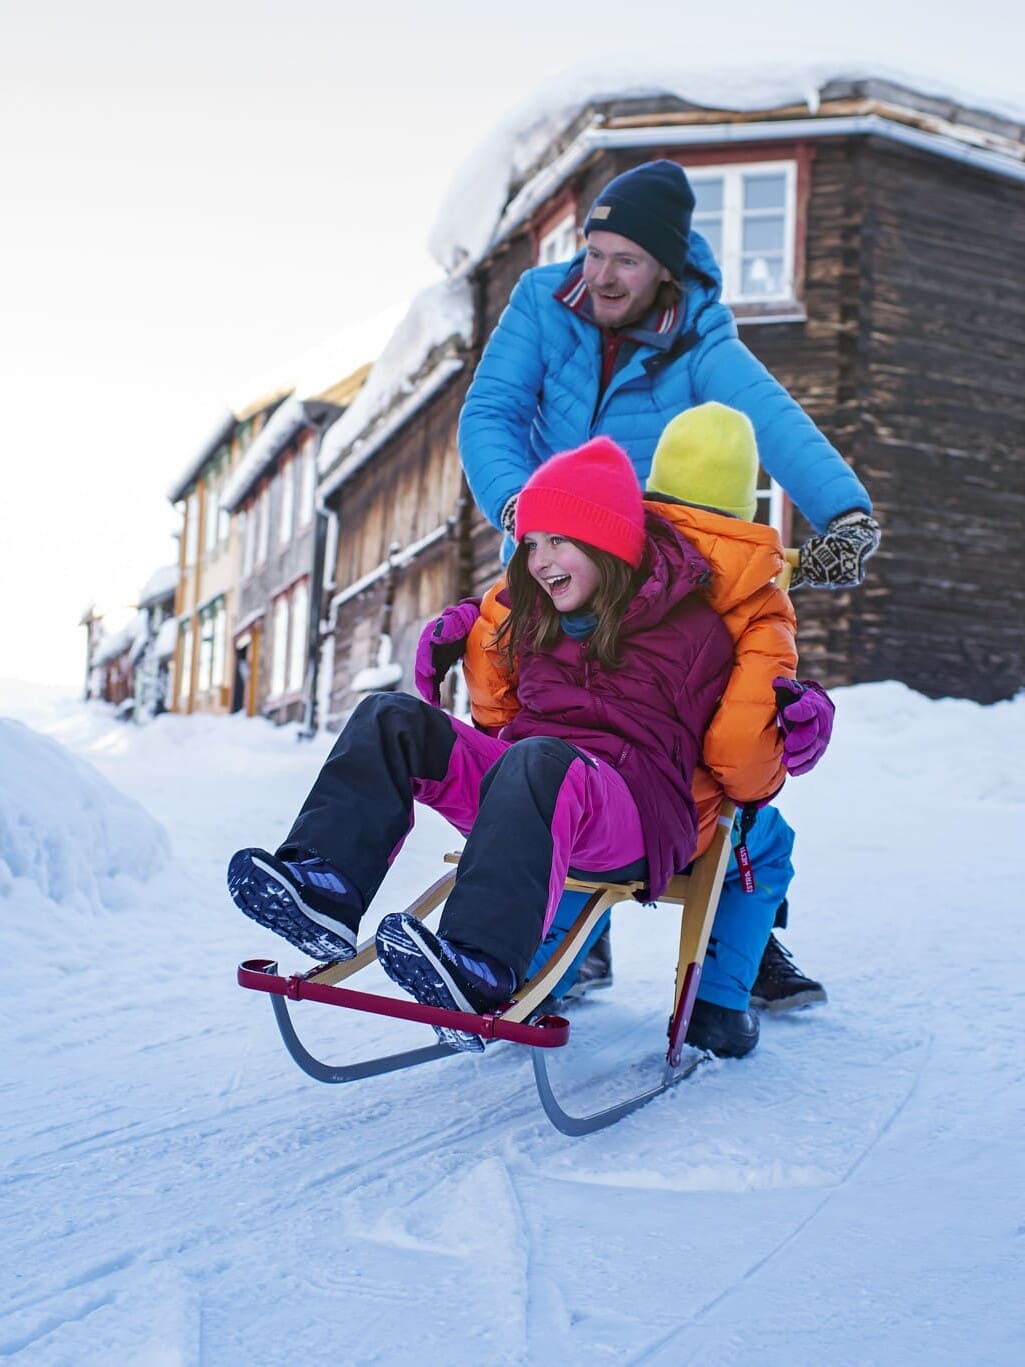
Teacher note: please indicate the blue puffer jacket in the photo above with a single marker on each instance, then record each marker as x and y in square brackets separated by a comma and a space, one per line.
[535, 393]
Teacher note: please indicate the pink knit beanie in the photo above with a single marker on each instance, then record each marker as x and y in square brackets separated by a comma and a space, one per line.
[591, 494]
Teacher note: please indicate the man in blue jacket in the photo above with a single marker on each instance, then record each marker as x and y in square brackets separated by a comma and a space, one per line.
[630, 333]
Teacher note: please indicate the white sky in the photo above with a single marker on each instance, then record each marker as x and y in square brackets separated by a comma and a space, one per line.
[191, 201]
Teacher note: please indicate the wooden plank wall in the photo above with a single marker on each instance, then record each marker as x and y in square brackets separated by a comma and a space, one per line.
[931, 409]
[911, 362]
[410, 487]
[818, 362]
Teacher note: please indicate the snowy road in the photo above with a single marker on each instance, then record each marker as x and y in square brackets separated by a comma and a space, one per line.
[177, 1192]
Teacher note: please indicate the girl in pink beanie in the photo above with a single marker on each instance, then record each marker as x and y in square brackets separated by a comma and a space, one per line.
[620, 664]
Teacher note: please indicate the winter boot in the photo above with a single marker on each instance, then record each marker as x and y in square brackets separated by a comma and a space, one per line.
[596, 969]
[780, 985]
[439, 973]
[306, 901]
[721, 1030]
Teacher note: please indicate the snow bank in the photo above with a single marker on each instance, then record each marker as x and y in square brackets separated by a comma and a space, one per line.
[65, 829]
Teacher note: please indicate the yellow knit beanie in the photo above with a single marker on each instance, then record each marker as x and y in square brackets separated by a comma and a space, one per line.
[708, 455]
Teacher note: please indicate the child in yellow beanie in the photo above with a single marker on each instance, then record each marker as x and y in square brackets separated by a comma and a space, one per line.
[703, 481]
[708, 456]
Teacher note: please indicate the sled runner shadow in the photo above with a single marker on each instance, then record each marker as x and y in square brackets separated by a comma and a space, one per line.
[697, 892]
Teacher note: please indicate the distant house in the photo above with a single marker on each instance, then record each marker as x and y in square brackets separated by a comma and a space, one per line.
[391, 483]
[155, 656]
[207, 571]
[872, 246]
[112, 664]
[271, 495]
[130, 667]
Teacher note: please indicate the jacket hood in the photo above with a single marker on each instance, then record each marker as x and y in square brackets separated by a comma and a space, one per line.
[673, 570]
[743, 556]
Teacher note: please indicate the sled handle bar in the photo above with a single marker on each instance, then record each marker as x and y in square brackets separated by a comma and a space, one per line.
[549, 1032]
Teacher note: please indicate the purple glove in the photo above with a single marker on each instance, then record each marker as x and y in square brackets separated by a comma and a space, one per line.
[443, 642]
[805, 714]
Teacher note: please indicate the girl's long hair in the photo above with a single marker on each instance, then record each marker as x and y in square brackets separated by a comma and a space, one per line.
[535, 622]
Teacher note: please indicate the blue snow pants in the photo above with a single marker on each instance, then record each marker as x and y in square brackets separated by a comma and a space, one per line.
[743, 921]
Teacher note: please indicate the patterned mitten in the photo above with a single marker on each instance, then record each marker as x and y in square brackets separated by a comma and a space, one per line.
[836, 559]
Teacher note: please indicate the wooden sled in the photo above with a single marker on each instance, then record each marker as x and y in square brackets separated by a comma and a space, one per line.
[696, 892]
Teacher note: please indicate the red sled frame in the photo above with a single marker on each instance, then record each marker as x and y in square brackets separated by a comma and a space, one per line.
[696, 892]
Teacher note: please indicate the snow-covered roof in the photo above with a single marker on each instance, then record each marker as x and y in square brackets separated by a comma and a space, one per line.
[440, 319]
[281, 427]
[167, 636]
[552, 132]
[129, 638]
[161, 584]
[221, 433]
[328, 375]
[291, 418]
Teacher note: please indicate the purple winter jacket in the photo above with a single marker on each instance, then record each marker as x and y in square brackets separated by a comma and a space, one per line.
[647, 718]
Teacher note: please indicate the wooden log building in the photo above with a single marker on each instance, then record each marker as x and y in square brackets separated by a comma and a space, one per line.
[872, 241]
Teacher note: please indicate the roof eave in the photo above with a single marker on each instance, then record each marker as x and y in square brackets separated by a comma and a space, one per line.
[965, 143]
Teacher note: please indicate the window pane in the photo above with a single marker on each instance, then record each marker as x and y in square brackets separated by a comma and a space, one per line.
[309, 486]
[763, 234]
[219, 646]
[211, 512]
[765, 192]
[191, 528]
[287, 491]
[711, 230]
[185, 656]
[263, 535]
[297, 647]
[708, 195]
[206, 651]
[279, 647]
[559, 243]
[762, 275]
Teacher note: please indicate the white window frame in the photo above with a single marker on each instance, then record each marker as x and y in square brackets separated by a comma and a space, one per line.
[263, 528]
[730, 258]
[775, 496]
[220, 651]
[286, 505]
[307, 481]
[211, 515]
[248, 518]
[280, 612]
[192, 528]
[299, 611]
[559, 243]
[184, 660]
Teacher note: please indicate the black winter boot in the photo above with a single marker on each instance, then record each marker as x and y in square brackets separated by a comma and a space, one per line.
[596, 970]
[721, 1030]
[780, 985]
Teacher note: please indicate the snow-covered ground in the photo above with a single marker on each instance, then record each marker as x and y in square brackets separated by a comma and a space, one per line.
[176, 1192]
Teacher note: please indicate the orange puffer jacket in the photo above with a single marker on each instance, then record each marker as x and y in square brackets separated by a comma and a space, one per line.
[742, 756]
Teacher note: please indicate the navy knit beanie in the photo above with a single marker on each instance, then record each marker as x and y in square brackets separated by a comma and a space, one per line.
[652, 206]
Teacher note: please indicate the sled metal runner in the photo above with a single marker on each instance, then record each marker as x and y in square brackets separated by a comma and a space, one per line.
[519, 1022]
